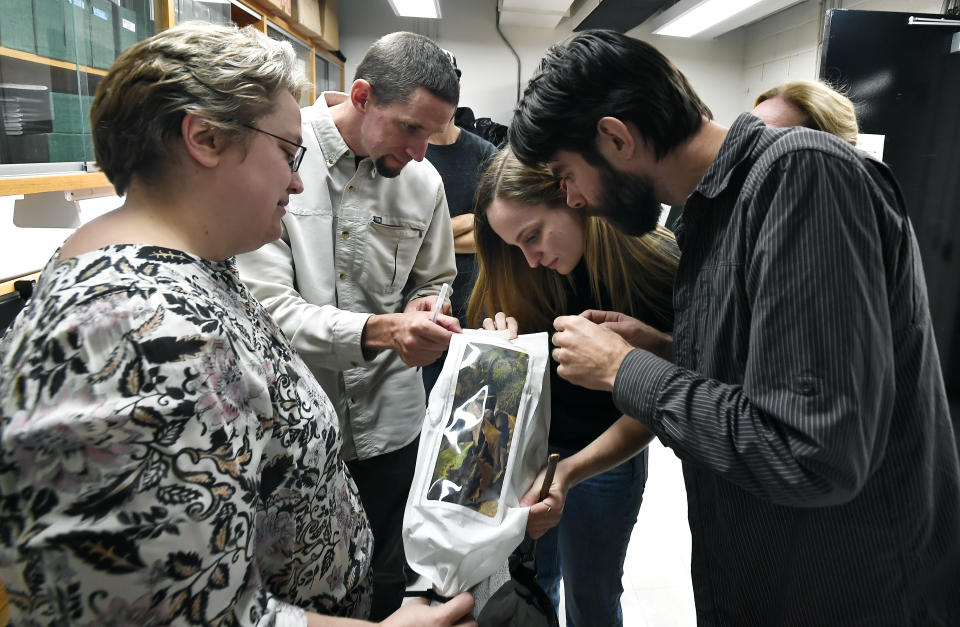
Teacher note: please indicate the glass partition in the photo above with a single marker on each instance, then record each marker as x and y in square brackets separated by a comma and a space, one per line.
[303, 52]
[327, 75]
[53, 53]
[334, 73]
[216, 11]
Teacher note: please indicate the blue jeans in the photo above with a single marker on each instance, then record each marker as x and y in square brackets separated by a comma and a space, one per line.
[588, 547]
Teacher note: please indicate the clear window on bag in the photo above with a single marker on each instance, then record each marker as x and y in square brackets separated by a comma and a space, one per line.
[475, 445]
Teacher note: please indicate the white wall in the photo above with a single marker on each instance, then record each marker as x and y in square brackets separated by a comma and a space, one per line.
[786, 46]
[468, 29]
[25, 250]
[713, 67]
[489, 82]
[727, 72]
[33, 227]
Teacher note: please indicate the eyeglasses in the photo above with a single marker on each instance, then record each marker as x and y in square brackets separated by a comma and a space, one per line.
[297, 156]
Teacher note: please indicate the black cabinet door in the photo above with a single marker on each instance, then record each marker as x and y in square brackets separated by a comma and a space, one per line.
[905, 84]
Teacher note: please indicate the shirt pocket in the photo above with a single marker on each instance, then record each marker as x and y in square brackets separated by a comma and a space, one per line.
[389, 253]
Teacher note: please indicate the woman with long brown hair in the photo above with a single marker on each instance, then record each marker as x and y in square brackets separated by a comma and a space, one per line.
[538, 259]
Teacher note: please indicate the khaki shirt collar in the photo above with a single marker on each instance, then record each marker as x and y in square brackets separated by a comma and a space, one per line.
[332, 145]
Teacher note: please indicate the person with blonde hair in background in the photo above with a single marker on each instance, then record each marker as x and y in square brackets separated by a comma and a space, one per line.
[165, 455]
[539, 259]
[812, 104]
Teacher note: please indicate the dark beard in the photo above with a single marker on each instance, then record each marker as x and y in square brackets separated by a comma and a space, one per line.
[381, 165]
[628, 202]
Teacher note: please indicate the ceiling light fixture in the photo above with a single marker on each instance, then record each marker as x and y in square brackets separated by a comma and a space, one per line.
[416, 8]
[710, 18]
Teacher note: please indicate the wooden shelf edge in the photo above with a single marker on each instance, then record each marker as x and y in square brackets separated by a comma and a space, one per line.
[287, 23]
[35, 58]
[4, 606]
[14, 185]
[7, 286]
[165, 12]
[326, 54]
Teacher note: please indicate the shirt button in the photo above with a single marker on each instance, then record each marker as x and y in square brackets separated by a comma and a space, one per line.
[350, 189]
[346, 234]
[342, 276]
[330, 160]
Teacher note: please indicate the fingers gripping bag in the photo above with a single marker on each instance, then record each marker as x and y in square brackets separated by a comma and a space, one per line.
[483, 442]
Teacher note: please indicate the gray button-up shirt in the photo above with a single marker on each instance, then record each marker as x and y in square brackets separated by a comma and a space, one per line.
[354, 244]
[807, 403]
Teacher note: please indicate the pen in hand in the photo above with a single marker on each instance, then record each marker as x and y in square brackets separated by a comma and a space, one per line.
[441, 298]
[438, 304]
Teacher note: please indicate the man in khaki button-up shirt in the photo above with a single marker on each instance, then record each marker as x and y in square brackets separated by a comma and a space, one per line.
[354, 277]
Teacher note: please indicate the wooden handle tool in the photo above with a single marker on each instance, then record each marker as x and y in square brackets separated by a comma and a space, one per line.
[552, 460]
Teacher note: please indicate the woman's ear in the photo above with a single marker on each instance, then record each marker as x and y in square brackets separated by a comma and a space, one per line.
[614, 139]
[202, 140]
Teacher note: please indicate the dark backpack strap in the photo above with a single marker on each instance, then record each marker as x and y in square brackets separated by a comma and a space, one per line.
[523, 568]
[427, 594]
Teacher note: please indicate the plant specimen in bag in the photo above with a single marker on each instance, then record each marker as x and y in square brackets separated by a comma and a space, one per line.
[475, 446]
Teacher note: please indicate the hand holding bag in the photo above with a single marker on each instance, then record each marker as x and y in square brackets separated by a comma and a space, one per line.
[483, 442]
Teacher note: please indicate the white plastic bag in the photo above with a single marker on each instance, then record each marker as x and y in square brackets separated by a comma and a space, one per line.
[483, 441]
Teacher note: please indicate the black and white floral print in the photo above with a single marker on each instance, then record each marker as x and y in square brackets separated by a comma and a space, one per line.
[165, 456]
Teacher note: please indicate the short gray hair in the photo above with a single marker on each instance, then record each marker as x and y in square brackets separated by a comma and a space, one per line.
[225, 74]
[398, 63]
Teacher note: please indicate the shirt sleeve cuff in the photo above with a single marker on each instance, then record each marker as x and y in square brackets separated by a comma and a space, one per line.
[637, 386]
[432, 290]
[348, 333]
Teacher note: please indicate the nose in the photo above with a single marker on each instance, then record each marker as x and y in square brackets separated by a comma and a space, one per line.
[533, 257]
[418, 150]
[574, 198]
[296, 184]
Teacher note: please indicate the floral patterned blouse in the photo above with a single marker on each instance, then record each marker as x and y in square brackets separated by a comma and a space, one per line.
[166, 457]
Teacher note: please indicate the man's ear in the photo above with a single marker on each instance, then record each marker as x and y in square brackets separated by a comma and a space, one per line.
[361, 95]
[614, 139]
[202, 141]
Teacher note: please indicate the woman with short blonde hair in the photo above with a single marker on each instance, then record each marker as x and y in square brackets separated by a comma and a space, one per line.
[812, 104]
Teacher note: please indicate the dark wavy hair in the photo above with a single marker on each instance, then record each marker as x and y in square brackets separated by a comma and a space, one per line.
[601, 73]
